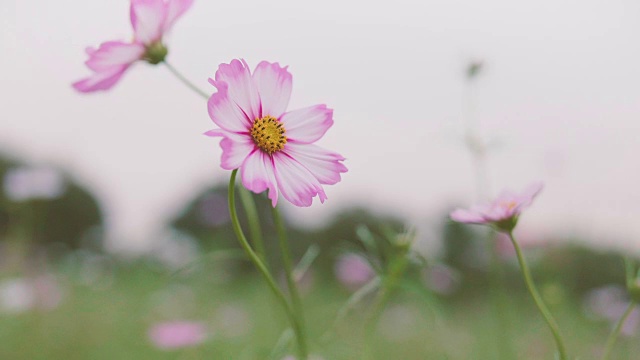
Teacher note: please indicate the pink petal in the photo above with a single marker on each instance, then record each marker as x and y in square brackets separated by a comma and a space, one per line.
[307, 125]
[466, 216]
[325, 165]
[100, 80]
[235, 148]
[175, 9]
[147, 18]
[241, 88]
[258, 174]
[113, 54]
[225, 112]
[295, 182]
[274, 86]
[529, 193]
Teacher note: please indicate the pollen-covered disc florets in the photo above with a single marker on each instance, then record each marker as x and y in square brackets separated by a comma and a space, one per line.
[268, 134]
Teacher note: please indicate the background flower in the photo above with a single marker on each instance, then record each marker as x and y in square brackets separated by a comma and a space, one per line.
[150, 19]
[505, 208]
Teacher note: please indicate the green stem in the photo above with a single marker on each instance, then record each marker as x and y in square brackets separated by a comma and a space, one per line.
[630, 273]
[538, 299]
[288, 270]
[261, 267]
[616, 331]
[255, 229]
[185, 81]
[499, 304]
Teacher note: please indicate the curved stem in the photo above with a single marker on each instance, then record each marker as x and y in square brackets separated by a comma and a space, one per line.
[630, 273]
[260, 265]
[616, 331]
[185, 81]
[538, 299]
[255, 230]
[288, 270]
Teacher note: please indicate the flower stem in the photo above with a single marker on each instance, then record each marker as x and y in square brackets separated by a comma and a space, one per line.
[288, 270]
[255, 230]
[616, 331]
[261, 267]
[538, 299]
[185, 81]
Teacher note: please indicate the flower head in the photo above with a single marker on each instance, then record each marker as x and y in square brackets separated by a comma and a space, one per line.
[150, 19]
[502, 213]
[272, 147]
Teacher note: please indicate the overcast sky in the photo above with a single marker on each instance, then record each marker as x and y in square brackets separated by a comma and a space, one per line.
[559, 97]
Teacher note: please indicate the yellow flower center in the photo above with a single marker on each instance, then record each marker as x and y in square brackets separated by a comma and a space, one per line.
[268, 134]
[510, 205]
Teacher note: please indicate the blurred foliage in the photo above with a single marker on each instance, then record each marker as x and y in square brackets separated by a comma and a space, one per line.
[72, 219]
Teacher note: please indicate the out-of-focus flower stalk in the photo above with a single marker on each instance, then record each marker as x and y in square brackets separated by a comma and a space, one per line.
[477, 147]
[388, 284]
[291, 283]
[634, 292]
[295, 321]
[553, 326]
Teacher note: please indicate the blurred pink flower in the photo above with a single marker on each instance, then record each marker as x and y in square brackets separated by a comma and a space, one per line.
[273, 147]
[177, 334]
[353, 270]
[442, 279]
[502, 212]
[150, 19]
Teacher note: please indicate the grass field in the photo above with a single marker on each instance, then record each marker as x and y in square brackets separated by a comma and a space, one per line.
[107, 315]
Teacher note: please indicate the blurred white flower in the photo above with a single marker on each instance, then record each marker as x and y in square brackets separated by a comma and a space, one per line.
[232, 321]
[26, 183]
[176, 249]
[16, 296]
[23, 294]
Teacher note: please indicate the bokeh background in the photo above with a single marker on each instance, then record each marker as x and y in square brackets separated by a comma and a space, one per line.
[113, 217]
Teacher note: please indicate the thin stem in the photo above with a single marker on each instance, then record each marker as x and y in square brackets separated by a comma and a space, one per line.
[616, 331]
[185, 81]
[388, 284]
[255, 230]
[288, 270]
[260, 265]
[538, 299]
[630, 273]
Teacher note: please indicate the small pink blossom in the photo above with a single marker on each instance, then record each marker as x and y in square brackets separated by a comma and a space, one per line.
[151, 19]
[502, 212]
[177, 334]
[272, 147]
[353, 270]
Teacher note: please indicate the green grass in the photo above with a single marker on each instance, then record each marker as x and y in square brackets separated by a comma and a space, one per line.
[110, 321]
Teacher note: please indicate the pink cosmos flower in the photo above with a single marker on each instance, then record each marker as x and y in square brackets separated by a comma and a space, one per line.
[502, 212]
[177, 334]
[272, 147]
[151, 19]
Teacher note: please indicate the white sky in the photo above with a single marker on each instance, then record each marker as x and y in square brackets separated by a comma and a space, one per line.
[560, 95]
